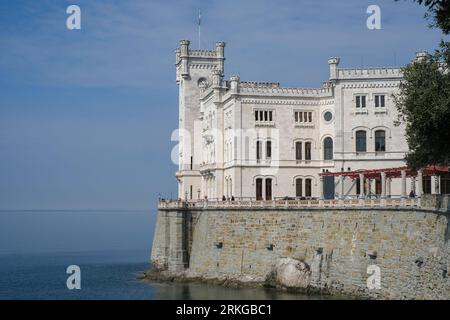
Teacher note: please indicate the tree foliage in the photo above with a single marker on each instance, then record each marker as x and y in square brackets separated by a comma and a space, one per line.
[423, 104]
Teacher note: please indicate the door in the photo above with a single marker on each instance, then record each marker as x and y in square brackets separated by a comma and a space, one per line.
[328, 187]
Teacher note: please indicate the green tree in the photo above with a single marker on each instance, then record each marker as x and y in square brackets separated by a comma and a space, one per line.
[423, 104]
[423, 101]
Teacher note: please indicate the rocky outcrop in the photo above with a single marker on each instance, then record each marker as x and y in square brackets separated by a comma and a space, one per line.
[290, 273]
[233, 281]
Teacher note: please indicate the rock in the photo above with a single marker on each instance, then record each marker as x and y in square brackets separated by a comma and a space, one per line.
[292, 273]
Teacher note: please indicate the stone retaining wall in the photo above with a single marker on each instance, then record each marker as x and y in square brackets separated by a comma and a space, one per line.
[409, 246]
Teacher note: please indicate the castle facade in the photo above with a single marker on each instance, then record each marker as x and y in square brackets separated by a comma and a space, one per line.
[261, 141]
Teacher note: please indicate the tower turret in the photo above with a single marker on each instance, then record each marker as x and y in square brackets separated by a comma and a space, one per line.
[234, 84]
[220, 52]
[421, 56]
[333, 62]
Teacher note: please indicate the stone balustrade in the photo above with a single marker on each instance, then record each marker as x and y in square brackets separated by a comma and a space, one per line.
[288, 204]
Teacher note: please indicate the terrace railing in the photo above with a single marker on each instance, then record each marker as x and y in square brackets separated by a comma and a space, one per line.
[288, 203]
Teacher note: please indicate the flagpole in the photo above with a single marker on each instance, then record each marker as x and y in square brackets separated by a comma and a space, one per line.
[199, 28]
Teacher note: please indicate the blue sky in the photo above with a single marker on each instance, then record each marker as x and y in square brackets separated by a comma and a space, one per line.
[86, 116]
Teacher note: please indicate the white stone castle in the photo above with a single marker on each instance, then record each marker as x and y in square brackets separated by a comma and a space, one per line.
[260, 141]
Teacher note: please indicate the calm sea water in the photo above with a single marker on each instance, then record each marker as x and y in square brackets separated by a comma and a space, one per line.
[111, 248]
[105, 276]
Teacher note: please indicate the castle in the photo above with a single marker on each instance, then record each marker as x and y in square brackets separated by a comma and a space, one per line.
[260, 141]
[273, 153]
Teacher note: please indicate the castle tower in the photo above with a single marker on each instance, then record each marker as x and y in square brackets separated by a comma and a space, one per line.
[196, 70]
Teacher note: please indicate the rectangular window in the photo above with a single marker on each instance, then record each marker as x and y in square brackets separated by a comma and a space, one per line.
[360, 101]
[379, 101]
[298, 150]
[303, 116]
[269, 149]
[262, 116]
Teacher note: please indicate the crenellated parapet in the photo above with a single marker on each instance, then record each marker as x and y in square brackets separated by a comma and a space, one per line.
[280, 91]
[256, 84]
[370, 73]
[203, 53]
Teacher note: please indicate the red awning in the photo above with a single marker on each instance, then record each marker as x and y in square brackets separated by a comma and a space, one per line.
[390, 172]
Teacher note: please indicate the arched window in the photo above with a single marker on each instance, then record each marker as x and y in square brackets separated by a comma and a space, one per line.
[307, 150]
[259, 189]
[361, 141]
[298, 150]
[298, 187]
[328, 149]
[380, 140]
[268, 189]
[308, 187]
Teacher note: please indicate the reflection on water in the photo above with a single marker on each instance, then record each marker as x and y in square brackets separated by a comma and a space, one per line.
[197, 291]
[106, 276]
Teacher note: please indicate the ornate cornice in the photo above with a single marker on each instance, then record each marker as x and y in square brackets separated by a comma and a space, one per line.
[391, 84]
[288, 102]
[319, 92]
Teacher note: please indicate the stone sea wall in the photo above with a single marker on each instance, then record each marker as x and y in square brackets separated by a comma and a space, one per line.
[335, 247]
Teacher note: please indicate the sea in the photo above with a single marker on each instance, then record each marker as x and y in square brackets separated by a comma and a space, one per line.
[111, 249]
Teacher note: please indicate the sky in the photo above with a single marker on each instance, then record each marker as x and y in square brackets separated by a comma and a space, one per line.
[86, 116]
